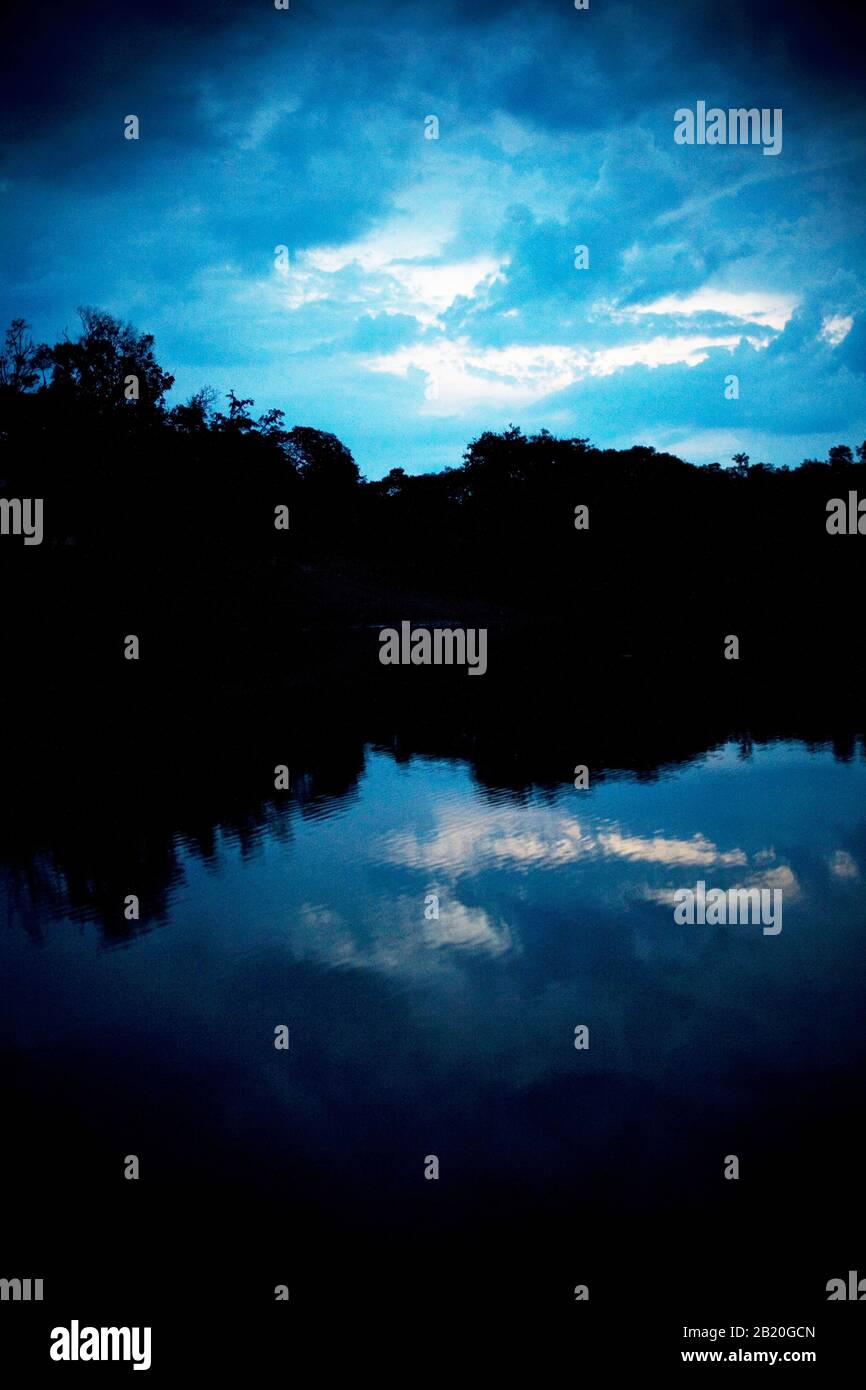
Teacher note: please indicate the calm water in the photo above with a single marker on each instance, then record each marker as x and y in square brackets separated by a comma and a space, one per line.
[455, 1037]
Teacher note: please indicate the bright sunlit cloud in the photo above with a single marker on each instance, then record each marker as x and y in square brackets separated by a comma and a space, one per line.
[771, 310]
[460, 377]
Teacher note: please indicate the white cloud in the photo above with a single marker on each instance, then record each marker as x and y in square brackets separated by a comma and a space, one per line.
[782, 876]
[461, 376]
[752, 306]
[660, 352]
[398, 943]
[836, 327]
[661, 850]
[543, 839]
[430, 289]
[385, 282]
[403, 264]
[469, 928]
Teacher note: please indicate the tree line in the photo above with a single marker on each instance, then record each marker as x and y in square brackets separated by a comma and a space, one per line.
[163, 515]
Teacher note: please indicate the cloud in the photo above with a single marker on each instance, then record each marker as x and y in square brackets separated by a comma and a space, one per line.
[420, 267]
[843, 865]
[772, 310]
[836, 327]
[400, 944]
[542, 838]
[781, 876]
[461, 378]
[661, 850]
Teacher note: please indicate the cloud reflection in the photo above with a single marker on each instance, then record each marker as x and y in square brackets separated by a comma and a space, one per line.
[540, 838]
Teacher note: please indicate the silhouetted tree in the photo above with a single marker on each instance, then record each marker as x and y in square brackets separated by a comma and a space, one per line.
[322, 460]
[196, 414]
[20, 360]
[841, 454]
[94, 367]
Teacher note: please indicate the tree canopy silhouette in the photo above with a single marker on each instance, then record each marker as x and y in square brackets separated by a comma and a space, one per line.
[164, 514]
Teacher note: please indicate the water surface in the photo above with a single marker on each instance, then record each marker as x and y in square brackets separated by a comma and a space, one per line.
[414, 1035]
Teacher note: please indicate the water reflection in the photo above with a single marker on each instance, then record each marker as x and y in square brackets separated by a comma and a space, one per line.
[413, 1032]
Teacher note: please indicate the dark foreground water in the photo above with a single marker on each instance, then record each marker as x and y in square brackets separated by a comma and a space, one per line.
[413, 1035]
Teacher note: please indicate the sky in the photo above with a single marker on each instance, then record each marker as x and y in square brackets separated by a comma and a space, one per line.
[429, 288]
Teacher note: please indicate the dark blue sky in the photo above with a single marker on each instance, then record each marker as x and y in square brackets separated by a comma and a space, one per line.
[431, 290]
